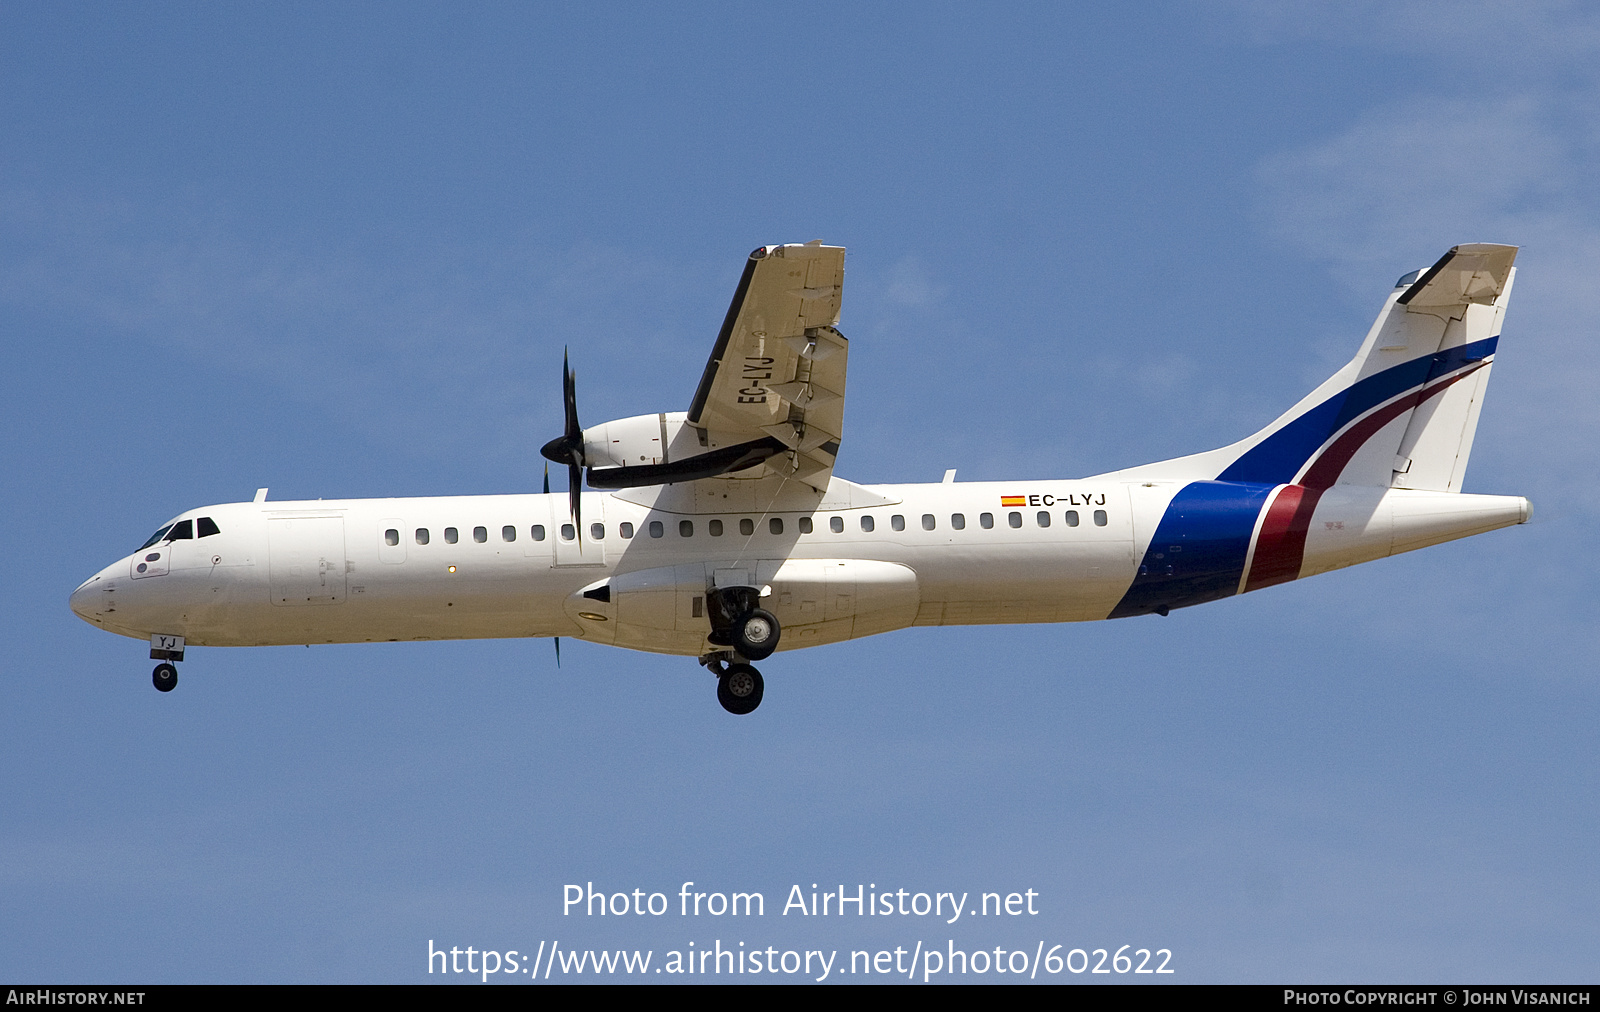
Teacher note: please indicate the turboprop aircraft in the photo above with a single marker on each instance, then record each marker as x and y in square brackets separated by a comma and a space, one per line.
[722, 533]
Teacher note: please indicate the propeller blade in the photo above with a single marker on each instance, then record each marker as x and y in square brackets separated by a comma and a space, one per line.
[558, 651]
[575, 497]
[569, 396]
[567, 448]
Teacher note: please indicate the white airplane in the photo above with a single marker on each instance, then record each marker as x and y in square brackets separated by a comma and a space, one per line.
[722, 533]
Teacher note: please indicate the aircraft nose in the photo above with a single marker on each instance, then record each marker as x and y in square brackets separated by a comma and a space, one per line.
[79, 601]
[84, 601]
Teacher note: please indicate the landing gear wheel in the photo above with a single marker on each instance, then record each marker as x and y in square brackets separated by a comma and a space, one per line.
[739, 690]
[756, 635]
[165, 677]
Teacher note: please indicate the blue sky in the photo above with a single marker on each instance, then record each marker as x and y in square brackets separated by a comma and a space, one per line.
[338, 250]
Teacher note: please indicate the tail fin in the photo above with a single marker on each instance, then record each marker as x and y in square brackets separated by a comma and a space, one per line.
[1403, 412]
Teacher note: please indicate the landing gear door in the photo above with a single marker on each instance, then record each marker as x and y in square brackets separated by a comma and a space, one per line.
[569, 549]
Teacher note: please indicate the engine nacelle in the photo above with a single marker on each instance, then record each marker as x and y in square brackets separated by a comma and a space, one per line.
[662, 448]
[640, 440]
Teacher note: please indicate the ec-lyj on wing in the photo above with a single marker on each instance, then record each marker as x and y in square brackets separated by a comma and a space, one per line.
[778, 369]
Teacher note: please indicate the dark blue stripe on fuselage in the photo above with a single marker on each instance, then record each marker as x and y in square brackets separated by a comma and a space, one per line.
[1198, 552]
[1278, 458]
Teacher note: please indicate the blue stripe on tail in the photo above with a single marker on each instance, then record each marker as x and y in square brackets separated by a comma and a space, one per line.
[1278, 458]
[1198, 552]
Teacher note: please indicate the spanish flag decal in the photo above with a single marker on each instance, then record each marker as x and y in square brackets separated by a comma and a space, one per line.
[1013, 500]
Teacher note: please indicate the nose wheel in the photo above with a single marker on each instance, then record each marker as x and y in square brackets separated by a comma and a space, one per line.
[165, 677]
[739, 688]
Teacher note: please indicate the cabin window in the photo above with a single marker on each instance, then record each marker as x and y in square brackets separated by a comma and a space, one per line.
[508, 533]
[1043, 519]
[867, 523]
[480, 535]
[422, 535]
[1099, 518]
[391, 537]
[836, 525]
[714, 528]
[625, 529]
[568, 532]
[597, 531]
[747, 526]
[775, 525]
[451, 535]
[182, 530]
[805, 525]
[986, 520]
[897, 522]
[656, 530]
[207, 527]
[537, 532]
[1072, 518]
[685, 528]
[927, 521]
[1014, 519]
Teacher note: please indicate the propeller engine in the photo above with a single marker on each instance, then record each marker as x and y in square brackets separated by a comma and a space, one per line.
[567, 448]
[655, 449]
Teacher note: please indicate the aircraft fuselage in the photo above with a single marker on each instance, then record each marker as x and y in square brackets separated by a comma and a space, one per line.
[465, 567]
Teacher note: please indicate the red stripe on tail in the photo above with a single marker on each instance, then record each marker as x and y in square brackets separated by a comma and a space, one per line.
[1281, 545]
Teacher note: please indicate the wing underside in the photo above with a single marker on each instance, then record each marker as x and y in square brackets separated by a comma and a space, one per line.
[775, 379]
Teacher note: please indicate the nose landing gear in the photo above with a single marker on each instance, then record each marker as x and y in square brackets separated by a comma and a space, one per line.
[165, 677]
[165, 649]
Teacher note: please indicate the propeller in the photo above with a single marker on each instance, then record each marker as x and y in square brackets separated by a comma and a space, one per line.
[568, 447]
[547, 492]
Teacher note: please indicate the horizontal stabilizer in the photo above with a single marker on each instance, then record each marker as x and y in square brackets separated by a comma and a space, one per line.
[1469, 273]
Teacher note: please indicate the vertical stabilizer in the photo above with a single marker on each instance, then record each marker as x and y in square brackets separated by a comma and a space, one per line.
[1400, 415]
[1403, 411]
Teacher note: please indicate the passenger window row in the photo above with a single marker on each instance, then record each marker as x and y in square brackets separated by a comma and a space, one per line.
[657, 529]
[508, 533]
[958, 521]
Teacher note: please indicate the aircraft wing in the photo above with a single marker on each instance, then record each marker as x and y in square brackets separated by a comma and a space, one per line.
[778, 368]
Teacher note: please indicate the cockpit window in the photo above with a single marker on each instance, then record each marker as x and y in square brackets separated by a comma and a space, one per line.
[206, 527]
[183, 529]
[157, 536]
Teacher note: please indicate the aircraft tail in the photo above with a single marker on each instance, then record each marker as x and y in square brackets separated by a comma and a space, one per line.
[1381, 447]
[1403, 411]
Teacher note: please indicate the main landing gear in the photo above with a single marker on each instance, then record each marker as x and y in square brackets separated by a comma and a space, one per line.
[739, 685]
[738, 621]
